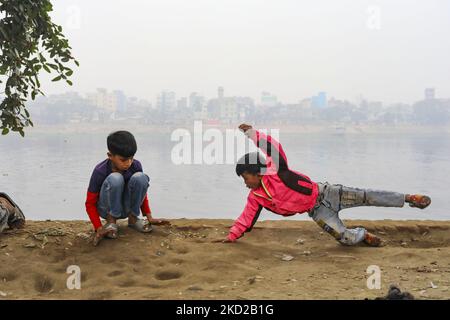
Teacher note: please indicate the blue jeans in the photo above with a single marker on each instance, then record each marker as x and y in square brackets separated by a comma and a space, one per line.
[120, 199]
[335, 197]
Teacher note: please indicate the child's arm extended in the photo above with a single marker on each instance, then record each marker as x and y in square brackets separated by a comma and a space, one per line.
[271, 147]
[245, 222]
[91, 209]
[145, 208]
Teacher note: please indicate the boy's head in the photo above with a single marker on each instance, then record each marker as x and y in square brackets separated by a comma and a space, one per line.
[250, 167]
[121, 149]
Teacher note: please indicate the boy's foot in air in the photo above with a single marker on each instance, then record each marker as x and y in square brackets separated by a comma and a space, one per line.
[418, 200]
[372, 240]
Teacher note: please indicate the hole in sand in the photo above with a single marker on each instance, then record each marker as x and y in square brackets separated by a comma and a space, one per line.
[177, 261]
[182, 250]
[43, 284]
[100, 295]
[127, 283]
[115, 273]
[8, 276]
[168, 275]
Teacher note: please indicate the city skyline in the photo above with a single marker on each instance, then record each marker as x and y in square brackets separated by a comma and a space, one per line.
[103, 106]
[386, 51]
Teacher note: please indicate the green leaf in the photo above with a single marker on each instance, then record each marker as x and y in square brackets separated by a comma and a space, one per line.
[53, 66]
[27, 37]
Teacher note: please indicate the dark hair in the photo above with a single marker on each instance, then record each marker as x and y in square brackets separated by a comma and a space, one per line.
[122, 143]
[252, 163]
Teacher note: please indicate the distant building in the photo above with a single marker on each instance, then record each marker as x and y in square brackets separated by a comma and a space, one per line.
[102, 99]
[229, 110]
[319, 101]
[305, 103]
[182, 103]
[166, 102]
[196, 101]
[268, 100]
[121, 100]
[220, 93]
[430, 94]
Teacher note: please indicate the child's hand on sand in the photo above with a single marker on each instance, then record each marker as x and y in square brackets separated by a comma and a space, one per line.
[158, 222]
[226, 240]
[244, 127]
[99, 235]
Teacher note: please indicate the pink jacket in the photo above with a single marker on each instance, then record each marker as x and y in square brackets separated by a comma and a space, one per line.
[283, 191]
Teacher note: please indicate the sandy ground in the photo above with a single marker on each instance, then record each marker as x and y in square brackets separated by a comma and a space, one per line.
[180, 262]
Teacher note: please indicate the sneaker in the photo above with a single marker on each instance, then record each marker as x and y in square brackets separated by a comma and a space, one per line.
[16, 217]
[372, 240]
[419, 201]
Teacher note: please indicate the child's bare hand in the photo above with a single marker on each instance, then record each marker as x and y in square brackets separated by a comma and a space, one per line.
[226, 240]
[244, 127]
[99, 235]
[159, 222]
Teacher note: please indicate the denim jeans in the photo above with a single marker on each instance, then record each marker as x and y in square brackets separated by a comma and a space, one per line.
[119, 199]
[4, 215]
[335, 197]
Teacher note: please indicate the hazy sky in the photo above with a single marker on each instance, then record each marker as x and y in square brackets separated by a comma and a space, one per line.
[384, 50]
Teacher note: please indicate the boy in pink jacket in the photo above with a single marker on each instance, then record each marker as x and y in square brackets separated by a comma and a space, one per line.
[276, 187]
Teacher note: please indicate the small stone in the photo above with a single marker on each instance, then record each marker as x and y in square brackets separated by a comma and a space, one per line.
[300, 241]
[194, 288]
[404, 279]
[3, 245]
[3, 294]
[404, 244]
[287, 257]
[83, 235]
[29, 245]
[433, 286]
[306, 253]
